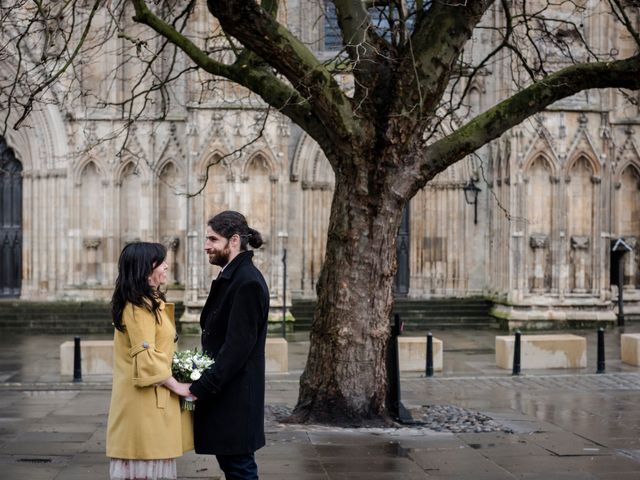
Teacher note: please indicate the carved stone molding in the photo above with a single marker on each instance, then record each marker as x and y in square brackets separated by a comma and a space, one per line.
[445, 185]
[284, 126]
[583, 120]
[127, 239]
[538, 240]
[172, 243]
[309, 185]
[92, 242]
[579, 242]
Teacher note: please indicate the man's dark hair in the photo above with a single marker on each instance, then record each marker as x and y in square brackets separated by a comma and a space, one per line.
[229, 223]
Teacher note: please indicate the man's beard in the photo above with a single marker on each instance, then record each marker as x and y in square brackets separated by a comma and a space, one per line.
[220, 258]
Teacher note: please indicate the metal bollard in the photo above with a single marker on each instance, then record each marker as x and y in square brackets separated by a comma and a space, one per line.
[77, 360]
[516, 355]
[429, 369]
[600, 350]
[393, 370]
[394, 402]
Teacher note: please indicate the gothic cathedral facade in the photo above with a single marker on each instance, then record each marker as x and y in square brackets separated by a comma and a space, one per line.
[555, 194]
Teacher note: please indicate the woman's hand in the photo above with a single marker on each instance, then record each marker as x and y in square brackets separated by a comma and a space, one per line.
[183, 389]
[178, 388]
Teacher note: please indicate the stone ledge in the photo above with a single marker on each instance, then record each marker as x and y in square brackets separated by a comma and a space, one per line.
[591, 313]
[630, 348]
[543, 351]
[412, 353]
[97, 357]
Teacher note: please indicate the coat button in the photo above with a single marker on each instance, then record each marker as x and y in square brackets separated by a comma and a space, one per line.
[145, 344]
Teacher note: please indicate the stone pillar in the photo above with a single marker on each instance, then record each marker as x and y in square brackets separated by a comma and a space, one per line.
[91, 244]
[580, 247]
[172, 244]
[539, 243]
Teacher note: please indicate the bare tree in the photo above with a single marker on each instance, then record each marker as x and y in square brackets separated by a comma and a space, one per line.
[390, 111]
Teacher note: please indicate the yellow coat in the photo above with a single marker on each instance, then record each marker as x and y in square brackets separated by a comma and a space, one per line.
[145, 421]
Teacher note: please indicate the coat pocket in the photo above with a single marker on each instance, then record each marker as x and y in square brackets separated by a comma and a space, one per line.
[162, 395]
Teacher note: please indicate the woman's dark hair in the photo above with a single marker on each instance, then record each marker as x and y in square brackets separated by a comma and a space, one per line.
[228, 223]
[136, 263]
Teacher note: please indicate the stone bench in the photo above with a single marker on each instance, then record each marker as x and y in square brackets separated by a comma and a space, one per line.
[97, 357]
[630, 348]
[412, 354]
[543, 351]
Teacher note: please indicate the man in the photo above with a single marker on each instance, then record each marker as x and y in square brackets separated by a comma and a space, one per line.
[229, 413]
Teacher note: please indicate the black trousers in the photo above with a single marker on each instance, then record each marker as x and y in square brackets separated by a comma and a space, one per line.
[238, 467]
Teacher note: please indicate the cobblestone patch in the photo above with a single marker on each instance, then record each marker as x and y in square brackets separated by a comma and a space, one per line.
[449, 418]
[427, 419]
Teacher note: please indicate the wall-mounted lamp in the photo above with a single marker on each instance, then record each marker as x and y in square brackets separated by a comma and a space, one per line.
[471, 197]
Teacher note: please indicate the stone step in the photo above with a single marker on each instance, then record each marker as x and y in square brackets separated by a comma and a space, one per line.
[59, 317]
[450, 326]
[419, 314]
[308, 305]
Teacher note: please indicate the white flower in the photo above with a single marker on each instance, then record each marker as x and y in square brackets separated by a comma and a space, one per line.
[188, 365]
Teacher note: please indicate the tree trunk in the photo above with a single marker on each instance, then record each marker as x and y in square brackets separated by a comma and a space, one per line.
[345, 378]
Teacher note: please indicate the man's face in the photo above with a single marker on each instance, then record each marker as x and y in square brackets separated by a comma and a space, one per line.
[217, 247]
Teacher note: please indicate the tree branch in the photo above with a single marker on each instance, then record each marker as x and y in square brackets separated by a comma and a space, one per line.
[509, 113]
[619, 11]
[261, 81]
[261, 33]
[369, 53]
[45, 84]
[359, 36]
[435, 45]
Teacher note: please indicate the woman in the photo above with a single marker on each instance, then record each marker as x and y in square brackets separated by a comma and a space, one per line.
[144, 431]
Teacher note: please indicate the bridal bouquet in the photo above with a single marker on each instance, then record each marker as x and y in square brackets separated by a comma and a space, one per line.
[187, 367]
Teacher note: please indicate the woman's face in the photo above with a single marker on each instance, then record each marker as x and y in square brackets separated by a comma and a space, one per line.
[159, 275]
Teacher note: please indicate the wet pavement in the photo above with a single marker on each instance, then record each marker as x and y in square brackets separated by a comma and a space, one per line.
[566, 424]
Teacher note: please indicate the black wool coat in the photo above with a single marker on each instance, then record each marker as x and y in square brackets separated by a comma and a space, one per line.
[229, 413]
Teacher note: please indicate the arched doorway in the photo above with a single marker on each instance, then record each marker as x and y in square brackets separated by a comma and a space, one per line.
[10, 222]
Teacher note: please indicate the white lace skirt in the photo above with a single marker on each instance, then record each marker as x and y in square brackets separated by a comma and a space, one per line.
[122, 469]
